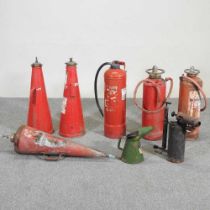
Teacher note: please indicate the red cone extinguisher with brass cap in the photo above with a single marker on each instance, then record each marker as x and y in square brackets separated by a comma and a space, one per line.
[190, 98]
[71, 120]
[39, 115]
[153, 102]
[114, 99]
[28, 140]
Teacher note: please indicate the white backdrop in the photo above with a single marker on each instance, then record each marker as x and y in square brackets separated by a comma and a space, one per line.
[173, 34]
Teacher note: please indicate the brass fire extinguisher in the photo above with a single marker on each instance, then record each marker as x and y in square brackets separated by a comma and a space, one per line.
[190, 98]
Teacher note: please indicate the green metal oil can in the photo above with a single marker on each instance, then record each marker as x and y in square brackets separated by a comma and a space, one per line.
[132, 153]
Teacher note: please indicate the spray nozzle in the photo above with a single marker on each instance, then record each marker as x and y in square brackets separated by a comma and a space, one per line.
[10, 137]
[36, 63]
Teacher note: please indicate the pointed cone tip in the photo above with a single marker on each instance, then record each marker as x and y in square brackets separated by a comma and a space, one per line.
[36, 63]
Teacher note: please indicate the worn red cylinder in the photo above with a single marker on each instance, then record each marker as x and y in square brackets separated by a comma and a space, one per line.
[190, 92]
[39, 115]
[153, 102]
[28, 140]
[71, 120]
[114, 100]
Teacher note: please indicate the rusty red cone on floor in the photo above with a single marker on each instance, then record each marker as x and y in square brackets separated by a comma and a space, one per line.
[39, 116]
[71, 120]
[29, 140]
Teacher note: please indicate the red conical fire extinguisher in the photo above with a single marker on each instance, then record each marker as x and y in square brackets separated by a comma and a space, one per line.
[190, 98]
[71, 121]
[39, 116]
[153, 102]
[30, 141]
[114, 99]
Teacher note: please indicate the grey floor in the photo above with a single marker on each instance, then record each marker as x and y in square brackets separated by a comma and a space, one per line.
[27, 182]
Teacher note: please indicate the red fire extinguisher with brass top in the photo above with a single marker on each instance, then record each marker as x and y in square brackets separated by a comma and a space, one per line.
[153, 102]
[39, 115]
[114, 99]
[190, 98]
[28, 140]
[71, 120]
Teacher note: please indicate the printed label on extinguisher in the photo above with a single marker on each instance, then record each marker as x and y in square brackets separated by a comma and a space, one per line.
[43, 141]
[194, 104]
[123, 92]
[63, 107]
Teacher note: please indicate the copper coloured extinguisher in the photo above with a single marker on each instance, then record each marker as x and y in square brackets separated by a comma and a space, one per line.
[153, 102]
[190, 93]
[114, 99]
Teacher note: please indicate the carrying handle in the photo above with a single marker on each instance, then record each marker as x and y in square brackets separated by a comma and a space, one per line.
[51, 157]
[199, 88]
[33, 95]
[135, 92]
[170, 89]
[118, 145]
[158, 94]
[155, 72]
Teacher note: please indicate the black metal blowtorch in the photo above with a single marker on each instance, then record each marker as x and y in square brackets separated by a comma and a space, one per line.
[176, 135]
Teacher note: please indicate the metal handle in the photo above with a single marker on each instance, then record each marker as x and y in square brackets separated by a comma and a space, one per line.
[158, 96]
[34, 93]
[199, 89]
[118, 145]
[192, 71]
[155, 70]
[33, 96]
[171, 87]
[51, 157]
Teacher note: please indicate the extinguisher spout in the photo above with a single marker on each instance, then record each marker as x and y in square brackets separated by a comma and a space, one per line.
[10, 137]
[145, 130]
[96, 85]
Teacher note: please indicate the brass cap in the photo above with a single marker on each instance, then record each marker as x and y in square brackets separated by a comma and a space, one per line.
[71, 62]
[36, 63]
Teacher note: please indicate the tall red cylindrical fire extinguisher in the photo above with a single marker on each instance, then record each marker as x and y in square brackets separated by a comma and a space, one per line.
[190, 92]
[114, 99]
[153, 102]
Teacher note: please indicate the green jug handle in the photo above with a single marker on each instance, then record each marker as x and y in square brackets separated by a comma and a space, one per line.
[118, 145]
[139, 144]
